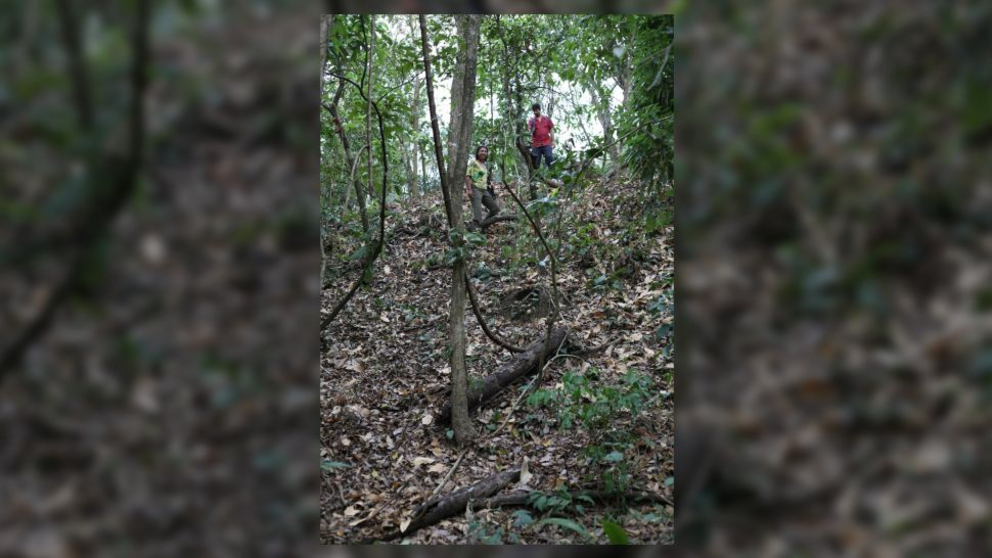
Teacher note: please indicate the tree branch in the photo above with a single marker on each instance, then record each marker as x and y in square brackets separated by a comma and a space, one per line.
[382, 215]
[482, 320]
[434, 125]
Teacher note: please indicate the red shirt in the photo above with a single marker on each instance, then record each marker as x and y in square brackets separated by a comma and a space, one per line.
[541, 131]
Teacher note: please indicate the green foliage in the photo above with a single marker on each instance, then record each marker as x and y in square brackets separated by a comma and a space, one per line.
[543, 207]
[454, 255]
[328, 465]
[649, 115]
[583, 401]
[487, 533]
[483, 272]
[567, 524]
[462, 245]
[663, 305]
[557, 502]
[475, 239]
[614, 532]
[657, 514]
[522, 518]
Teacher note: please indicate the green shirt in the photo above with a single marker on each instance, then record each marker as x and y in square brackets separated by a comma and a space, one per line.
[477, 173]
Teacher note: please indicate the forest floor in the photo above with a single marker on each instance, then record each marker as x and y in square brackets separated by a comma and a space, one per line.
[384, 375]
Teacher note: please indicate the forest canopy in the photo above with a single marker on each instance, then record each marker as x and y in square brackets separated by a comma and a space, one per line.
[601, 78]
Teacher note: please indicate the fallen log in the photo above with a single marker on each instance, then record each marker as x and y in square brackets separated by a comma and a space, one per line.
[453, 503]
[598, 496]
[497, 219]
[480, 494]
[519, 366]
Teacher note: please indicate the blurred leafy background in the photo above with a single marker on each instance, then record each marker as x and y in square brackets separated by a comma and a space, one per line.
[834, 272]
[834, 266]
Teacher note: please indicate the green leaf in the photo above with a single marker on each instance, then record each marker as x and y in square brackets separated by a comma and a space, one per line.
[566, 523]
[327, 465]
[359, 254]
[585, 498]
[614, 532]
[475, 239]
[614, 457]
[522, 518]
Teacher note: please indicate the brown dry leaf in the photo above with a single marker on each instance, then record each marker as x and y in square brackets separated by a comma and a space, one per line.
[355, 365]
[418, 461]
[525, 474]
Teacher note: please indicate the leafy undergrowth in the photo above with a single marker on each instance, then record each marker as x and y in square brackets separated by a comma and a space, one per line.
[603, 421]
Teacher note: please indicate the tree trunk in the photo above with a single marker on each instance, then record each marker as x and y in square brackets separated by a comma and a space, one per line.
[414, 128]
[325, 27]
[627, 79]
[464, 82]
[326, 23]
[405, 159]
[459, 136]
[462, 101]
[423, 167]
[522, 131]
[627, 74]
[511, 111]
[603, 112]
[368, 108]
[412, 160]
[359, 187]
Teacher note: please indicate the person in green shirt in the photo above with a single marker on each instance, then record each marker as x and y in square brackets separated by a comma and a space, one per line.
[478, 186]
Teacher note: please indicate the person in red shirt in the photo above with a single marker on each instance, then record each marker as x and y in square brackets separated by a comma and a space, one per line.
[542, 137]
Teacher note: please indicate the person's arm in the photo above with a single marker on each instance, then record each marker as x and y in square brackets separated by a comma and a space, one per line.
[468, 186]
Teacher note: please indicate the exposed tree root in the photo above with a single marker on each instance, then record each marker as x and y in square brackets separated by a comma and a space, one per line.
[481, 496]
[482, 320]
[598, 496]
[453, 503]
[521, 365]
[496, 219]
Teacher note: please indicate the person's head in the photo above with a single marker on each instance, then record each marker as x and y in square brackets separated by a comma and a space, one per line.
[482, 153]
[536, 107]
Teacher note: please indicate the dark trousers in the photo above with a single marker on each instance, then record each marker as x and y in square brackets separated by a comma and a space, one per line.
[537, 152]
[480, 198]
